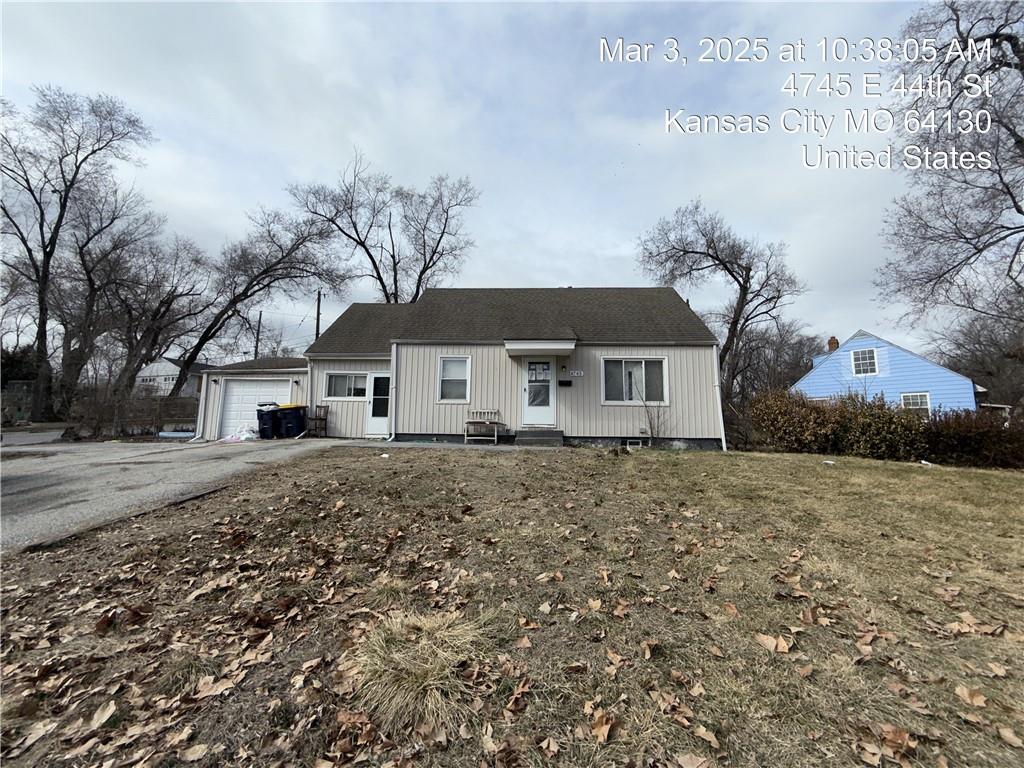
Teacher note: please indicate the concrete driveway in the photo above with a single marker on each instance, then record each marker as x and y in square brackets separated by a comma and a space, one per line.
[55, 490]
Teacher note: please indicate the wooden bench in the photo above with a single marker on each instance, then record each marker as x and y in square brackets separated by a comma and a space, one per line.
[483, 425]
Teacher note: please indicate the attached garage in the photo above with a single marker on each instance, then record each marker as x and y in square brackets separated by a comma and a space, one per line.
[241, 397]
[231, 393]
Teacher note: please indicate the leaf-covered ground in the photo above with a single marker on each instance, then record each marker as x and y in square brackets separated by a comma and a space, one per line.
[570, 607]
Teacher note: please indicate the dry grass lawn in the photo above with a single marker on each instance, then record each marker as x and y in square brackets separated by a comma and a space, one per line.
[576, 607]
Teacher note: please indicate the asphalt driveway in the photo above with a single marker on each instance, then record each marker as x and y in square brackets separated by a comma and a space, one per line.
[55, 490]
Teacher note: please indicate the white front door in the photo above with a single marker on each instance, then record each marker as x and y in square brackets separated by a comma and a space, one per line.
[539, 392]
[378, 406]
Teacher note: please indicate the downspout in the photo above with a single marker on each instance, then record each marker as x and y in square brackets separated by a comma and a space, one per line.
[393, 402]
[202, 408]
[718, 400]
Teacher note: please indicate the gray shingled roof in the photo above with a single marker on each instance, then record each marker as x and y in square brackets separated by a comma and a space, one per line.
[363, 329]
[588, 315]
[196, 367]
[264, 364]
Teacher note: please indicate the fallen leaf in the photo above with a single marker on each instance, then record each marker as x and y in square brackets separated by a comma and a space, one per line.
[972, 696]
[776, 644]
[545, 608]
[870, 753]
[703, 733]
[206, 687]
[550, 746]
[805, 670]
[174, 739]
[524, 642]
[39, 729]
[102, 714]
[602, 726]
[193, 754]
[731, 609]
[1011, 738]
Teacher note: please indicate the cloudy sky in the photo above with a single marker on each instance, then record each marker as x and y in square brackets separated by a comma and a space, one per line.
[570, 154]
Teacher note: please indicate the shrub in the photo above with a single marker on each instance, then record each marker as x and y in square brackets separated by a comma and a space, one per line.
[855, 426]
[975, 439]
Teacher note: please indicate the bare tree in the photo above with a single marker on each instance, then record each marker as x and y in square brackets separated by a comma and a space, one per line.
[959, 232]
[773, 356]
[17, 307]
[405, 239]
[66, 141]
[106, 225]
[770, 357]
[693, 246]
[156, 303]
[282, 253]
[985, 350]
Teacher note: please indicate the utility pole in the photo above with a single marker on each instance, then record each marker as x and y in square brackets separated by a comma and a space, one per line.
[317, 314]
[259, 327]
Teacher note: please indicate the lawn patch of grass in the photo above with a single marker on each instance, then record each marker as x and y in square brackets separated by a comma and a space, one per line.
[655, 609]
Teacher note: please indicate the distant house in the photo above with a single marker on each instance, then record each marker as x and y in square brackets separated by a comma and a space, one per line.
[869, 365]
[157, 378]
[584, 365]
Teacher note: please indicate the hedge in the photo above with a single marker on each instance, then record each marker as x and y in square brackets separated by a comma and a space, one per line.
[855, 426]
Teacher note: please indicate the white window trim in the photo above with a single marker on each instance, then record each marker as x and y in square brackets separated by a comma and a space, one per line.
[927, 396]
[363, 399]
[853, 366]
[469, 378]
[637, 403]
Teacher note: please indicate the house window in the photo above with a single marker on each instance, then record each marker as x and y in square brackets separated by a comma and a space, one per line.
[634, 381]
[453, 384]
[346, 385]
[918, 402]
[864, 362]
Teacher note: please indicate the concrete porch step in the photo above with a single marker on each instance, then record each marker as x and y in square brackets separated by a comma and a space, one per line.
[542, 438]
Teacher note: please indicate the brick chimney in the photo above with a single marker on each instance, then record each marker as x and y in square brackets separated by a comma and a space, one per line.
[833, 343]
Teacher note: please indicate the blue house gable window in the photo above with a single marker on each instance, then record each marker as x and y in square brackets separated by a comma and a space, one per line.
[864, 362]
[917, 402]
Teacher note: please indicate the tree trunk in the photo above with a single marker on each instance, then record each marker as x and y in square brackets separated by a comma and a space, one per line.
[42, 406]
[731, 338]
[73, 362]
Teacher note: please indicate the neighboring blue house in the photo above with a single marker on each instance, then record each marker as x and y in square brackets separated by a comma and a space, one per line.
[867, 365]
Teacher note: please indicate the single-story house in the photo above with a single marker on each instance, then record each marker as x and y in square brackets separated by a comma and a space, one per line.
[868, 365]
[587, 365]
[157, 378]
[232, 392]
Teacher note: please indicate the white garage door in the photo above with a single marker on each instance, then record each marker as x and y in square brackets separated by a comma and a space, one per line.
[238, 406]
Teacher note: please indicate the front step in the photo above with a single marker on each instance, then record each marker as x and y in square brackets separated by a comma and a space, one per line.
[540, 438]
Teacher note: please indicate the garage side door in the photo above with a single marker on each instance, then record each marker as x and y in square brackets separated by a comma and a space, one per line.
[241, 396]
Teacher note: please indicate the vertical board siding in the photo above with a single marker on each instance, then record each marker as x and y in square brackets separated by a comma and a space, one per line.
[899, 372]
[212, 400]
[496, 381]
[345, 418]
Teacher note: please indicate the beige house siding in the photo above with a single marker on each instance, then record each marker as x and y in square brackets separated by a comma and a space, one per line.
[210, 405]
[346, 418]
[496, 381]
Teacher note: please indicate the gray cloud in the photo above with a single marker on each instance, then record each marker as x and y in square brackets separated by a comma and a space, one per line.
[569, 153]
